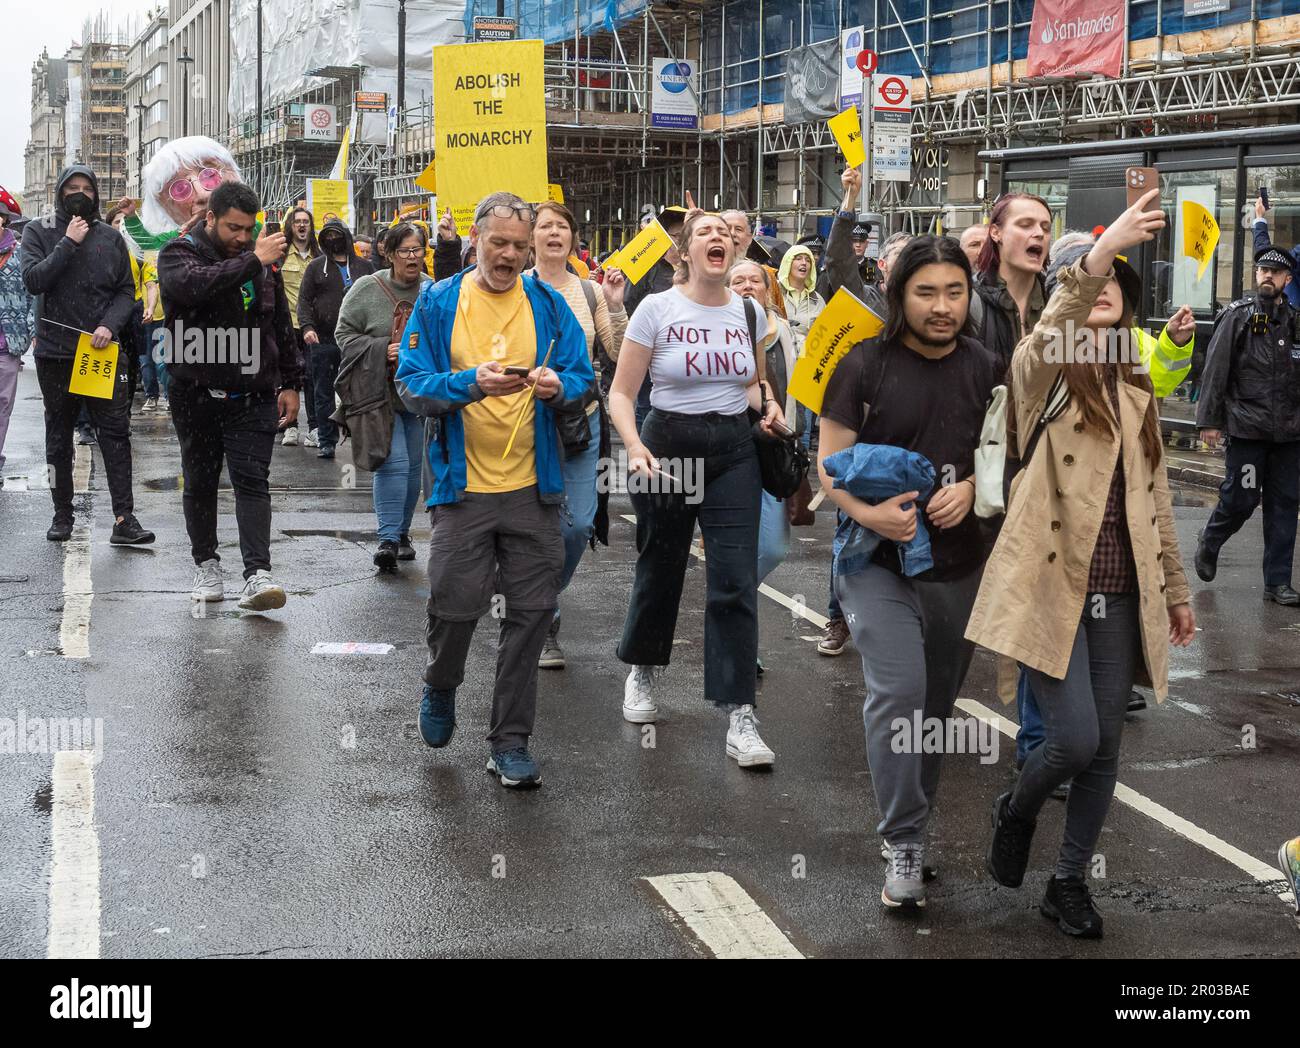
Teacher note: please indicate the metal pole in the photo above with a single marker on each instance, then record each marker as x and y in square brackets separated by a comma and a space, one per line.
[758, 210]
[260, 170]
[401, 65]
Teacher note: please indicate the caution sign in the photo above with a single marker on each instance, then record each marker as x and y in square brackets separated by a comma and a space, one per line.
[841, 325]
[93, 370]
[489, 103]
[1200, 235]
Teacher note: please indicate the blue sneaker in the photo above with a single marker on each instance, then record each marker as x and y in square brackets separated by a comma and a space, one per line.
[437, 716]
[515, 768]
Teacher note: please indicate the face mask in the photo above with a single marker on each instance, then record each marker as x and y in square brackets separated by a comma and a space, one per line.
[79, 204]
[333, 247]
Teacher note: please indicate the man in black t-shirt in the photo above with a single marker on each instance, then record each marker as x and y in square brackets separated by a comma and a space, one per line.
[924, 385]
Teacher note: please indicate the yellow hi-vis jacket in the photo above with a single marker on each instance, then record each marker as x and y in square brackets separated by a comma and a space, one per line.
[1167, 363]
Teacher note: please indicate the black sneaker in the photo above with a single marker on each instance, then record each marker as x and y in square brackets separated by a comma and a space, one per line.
[127, 532]
[1136, 702]
[1009, 849]
[386, 556]
[61, 528]
[85, 435]
[325, 452]
[1069, 903]
[405, 551]
[1283, 595]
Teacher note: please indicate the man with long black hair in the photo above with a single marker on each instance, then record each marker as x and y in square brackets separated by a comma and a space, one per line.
[922, 386]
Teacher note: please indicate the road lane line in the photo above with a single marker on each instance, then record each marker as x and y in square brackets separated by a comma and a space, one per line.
[74, 869]
[720, 913]
[78, 590]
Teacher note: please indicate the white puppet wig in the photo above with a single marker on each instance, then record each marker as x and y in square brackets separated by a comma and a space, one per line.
[177, 155]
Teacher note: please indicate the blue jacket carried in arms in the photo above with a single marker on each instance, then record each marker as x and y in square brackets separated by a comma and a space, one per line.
[429, 387]
[873, 473]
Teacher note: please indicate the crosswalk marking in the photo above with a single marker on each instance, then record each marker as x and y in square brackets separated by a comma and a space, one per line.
[722, 916]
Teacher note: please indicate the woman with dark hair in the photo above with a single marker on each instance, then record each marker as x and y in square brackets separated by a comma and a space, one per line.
[1009, 273]
[300, 229]
[1085, 592]
[693, 461]
[921, 388]
[388, 440]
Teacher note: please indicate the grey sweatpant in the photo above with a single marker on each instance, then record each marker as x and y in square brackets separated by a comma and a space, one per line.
[914, 657]
[501, 553]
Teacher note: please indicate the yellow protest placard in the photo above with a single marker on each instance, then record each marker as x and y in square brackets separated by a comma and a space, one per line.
[842, 325]
[93, 370]
[329, 198]
[489, 101]
[555, 192]
[427, 179]
[1200, 235]
[847, 129]
[644, 250]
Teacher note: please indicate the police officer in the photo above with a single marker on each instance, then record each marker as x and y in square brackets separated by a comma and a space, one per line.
[1251, 391]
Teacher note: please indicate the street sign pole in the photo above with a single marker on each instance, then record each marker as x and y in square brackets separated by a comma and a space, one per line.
[866, 63]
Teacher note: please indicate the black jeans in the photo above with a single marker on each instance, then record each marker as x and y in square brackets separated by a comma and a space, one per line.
[242, 432]
[1252, 467]
[325, 369]
[112, 422]
[1083, 719]
[726, 500]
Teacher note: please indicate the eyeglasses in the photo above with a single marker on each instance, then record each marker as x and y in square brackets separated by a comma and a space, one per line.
[182, 189]
[409, 252]
[524, 211]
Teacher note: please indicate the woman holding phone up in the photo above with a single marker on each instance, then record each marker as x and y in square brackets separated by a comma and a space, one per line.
[695, 460]
[1086, 591]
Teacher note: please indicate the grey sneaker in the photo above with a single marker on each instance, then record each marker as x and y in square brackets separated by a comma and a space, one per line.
[260, 593]
[312, 439]
[904, 881]
[208, 582]
[552, 656]
[744, 744]
[928, 872]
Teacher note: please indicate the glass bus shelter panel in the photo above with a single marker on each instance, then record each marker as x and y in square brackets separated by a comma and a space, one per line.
[1173, 274]
[1283, 185]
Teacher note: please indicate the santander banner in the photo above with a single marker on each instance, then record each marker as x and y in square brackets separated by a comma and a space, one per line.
[1076, 36]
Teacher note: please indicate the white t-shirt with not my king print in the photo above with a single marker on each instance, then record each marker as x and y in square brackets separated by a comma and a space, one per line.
[701, 359]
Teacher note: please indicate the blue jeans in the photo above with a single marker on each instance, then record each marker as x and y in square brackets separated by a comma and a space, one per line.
[1031, 735]
[833, 604]
[325, 364]
[397, 481]
[150, 369]
[773, 536]
[580, 495]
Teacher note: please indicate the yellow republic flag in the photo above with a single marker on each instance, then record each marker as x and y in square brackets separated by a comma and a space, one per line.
[847, 129]
[841, 325]
[428, 179]
[1200, 235]
[644, 250]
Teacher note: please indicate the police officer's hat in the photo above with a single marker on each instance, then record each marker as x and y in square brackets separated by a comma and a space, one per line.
[1272, 258]
[861, 232]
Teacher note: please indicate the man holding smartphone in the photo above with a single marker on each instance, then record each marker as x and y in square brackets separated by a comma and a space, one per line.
[489, 357]
[1250, 391]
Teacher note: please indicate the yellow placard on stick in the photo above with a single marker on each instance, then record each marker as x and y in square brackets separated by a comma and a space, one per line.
[847, 129]
[555, 192]
[644, 250]
[329, 198]
[1200, 235]
[427, 179]
[93, 370]
[489, 101]
[842, 325]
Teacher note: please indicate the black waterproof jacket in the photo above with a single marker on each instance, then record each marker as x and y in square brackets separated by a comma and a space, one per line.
[321, 292]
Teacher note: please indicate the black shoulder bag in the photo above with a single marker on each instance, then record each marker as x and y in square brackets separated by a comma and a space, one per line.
[782, 461]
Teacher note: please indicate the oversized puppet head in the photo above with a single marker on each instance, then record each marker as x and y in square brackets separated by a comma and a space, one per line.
[178, 181]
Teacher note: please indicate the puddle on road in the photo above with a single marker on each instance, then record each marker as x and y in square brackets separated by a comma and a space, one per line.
[1184, 497]
[366, 537]
[43, 799]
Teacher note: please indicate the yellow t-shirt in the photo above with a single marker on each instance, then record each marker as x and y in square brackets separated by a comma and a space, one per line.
[481, 316]
[149, 275]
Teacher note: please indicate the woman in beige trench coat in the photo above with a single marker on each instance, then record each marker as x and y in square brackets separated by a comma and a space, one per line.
[1085, 586]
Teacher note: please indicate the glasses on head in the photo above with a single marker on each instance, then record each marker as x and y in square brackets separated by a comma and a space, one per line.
[524, 211]
[182, 189]
[409, 252]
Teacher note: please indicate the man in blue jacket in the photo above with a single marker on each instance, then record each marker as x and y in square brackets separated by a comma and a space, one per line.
[490, 357]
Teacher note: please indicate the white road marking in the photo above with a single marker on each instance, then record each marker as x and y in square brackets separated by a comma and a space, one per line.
[74, 869]
[81, 460]
[78, 590]
[720, 913]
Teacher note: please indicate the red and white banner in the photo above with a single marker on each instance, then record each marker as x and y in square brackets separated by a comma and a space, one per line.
[1076, 36]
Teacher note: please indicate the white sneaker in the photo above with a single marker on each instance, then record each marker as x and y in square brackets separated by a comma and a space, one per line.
[290, 437]
[312, 440]
[208, 583]
[638, 705]
[165, 404]
[260, 593]
[150, 405]
[743, 741]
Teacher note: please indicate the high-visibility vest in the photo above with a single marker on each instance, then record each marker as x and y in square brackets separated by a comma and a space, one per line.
[1167, 363]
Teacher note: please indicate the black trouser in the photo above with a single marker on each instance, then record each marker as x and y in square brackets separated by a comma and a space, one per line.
[1083, 720]
[325, 369]
[727, 506]
[1252, 467]
[112, 422]
[307, 354]
[242, 432]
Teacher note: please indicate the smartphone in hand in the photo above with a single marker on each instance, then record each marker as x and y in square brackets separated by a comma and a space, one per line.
[513, 370]
[1263, 197]
[1138, 182]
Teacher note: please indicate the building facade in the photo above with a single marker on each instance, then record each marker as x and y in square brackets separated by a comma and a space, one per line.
[148, 102]
[198, 56]
[44, 155]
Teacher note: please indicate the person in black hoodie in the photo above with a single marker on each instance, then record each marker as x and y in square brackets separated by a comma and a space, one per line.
[235, 371]
[77, 267]
[327, 279]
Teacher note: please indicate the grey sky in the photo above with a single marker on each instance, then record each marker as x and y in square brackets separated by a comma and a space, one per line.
[50, 24]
